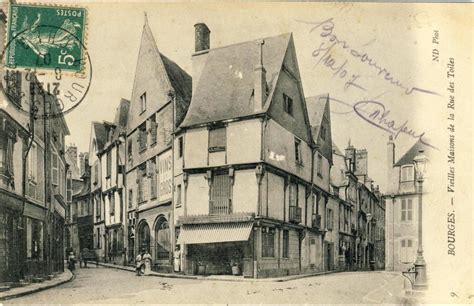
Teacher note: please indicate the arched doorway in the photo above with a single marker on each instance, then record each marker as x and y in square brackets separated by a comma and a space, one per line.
[162, 240]
[144, 236]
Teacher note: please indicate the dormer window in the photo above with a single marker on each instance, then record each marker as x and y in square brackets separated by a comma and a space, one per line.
[322, 133]
[408, 173]
[288, 105]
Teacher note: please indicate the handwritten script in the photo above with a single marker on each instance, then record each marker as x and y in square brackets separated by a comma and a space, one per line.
[376, 114]
[327, 48]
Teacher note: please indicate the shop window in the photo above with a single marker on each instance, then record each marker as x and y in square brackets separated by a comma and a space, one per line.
[268, 242]
[286, 244]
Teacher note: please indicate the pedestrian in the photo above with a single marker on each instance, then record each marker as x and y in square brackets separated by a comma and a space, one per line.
[177, 259]
[147, 262]
[139, 263]
[71, 261]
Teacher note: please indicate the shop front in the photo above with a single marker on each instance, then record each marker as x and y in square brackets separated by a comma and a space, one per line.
[217, 249]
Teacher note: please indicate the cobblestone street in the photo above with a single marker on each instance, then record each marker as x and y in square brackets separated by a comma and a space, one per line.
[105, 285]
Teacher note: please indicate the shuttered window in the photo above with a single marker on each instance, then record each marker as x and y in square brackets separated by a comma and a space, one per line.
[217, 139]
[220, 194]
[54, 168]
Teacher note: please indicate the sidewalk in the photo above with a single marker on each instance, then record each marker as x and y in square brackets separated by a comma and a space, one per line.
[229, 278]
[15, 292]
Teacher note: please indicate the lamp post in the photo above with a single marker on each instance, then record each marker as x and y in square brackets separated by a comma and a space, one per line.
[420, 264]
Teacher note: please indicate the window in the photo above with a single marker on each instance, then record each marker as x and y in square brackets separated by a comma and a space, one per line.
[407, 210]
[293, 194]
[329, 219]
[268, 242]
[130, 152]
[109, 164]
[98, 238]
[54, 168]
[13, 86]
[152, 176]
[286, 244]
[32, 160]
[180, 147]
[130, 198]
[319, 165]
[288, 104]
[217, 139]
[143, 103]
[408, 174]
[163, 243]
[96, 172]
[98, 210]
[141, 172]
[298, 155]
[220, 194]
[406, 251]
[178, 195]
[142, 137]
[69, 186]
[112, 204]
[322, 132]
[153, 129]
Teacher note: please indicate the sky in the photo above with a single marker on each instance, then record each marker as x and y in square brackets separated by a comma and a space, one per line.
[396, 41]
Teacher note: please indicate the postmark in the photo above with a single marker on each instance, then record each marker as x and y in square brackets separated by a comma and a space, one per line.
[50, 54]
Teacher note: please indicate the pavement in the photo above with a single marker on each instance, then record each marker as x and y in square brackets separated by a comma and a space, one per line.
[230, 278]
[102, 285]
[57, 280]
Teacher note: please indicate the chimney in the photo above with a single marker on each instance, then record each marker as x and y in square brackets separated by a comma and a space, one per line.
[82, 163]
[260, 81]
[202, 37]
[351, 156]
[390, 151]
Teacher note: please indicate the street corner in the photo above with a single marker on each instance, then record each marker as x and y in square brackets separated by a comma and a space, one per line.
[36, 285]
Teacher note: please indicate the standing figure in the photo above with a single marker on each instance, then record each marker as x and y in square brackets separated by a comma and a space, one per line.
[147, 262]
[139, 266]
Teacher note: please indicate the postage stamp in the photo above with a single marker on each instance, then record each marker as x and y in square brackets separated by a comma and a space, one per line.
[46, 37]
[46, 46]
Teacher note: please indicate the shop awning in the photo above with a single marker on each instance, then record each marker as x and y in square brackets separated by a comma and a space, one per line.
[212, 233]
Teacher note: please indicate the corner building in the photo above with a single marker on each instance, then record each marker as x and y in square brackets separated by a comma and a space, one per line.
[251, 189]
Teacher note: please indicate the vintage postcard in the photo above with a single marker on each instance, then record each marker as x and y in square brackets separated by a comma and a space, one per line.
[236, 152]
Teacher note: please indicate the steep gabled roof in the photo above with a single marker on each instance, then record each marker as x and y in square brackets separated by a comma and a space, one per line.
[408, 157]
[100, 135]
[225, 86]
[316, 106]
[180, 80]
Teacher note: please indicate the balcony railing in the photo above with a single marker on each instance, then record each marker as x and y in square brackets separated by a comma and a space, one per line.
[295, 214]
[316, 221]
[220, 207]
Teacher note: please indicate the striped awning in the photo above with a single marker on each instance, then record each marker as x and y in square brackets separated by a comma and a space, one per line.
[217, 232]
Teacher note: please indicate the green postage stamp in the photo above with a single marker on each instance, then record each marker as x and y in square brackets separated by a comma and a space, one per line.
[47, 37]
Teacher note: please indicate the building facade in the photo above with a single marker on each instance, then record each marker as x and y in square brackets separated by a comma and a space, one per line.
[160, 97]
[401, 212]
[251, 186]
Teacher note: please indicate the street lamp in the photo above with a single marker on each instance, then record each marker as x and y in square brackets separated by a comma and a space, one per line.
[420, 265]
